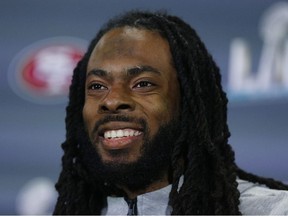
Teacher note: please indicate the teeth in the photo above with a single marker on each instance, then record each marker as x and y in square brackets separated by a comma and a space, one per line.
[113, 134]
[121, 133]
[126, 133]
[107, 134]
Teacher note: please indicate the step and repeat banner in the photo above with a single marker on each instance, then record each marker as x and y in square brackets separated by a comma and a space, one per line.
[42, 41]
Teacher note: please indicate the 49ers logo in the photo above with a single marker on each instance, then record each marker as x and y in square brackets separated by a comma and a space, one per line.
[42, 73]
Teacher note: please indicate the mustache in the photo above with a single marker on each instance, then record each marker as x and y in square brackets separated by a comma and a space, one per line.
[119, 118]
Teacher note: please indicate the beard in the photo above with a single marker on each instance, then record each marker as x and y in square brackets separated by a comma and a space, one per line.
[152, 165]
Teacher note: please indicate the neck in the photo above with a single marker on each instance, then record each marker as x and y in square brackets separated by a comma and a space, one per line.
[163, 182]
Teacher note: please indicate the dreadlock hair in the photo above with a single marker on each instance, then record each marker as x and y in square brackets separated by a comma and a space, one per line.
[209, 167]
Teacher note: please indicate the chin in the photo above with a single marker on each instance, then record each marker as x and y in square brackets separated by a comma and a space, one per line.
[119, 156]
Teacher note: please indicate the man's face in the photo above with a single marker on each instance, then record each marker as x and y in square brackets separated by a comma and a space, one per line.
[131, 92]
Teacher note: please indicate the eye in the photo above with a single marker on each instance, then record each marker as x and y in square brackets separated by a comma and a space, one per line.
[143, 84]
[96, 86]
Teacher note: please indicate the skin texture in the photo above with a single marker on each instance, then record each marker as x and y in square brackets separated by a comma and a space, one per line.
[130, 73]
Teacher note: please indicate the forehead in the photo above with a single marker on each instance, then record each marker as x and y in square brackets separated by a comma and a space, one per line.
[133, 44]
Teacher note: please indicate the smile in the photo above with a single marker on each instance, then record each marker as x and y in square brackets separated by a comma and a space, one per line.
[111, 134]
[119, 135]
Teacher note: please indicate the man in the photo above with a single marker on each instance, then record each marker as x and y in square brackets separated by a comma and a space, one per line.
[147, 128]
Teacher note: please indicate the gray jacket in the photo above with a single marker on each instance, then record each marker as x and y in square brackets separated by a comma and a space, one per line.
[254, 200]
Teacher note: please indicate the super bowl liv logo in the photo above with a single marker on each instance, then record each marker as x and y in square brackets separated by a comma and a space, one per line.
[271, 78]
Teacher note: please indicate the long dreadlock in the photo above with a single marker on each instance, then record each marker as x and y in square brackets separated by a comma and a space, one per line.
[208, 168]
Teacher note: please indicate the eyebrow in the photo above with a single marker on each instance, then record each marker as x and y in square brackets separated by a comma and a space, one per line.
[141, 69]
[131, 72]
[97, 72]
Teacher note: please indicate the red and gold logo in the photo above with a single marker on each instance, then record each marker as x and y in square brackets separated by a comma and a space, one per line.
[42, 72]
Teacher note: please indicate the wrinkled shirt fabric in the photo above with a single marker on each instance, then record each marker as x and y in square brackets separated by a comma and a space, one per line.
[255, 199]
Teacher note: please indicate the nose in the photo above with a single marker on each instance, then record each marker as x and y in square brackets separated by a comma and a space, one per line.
[117, 100]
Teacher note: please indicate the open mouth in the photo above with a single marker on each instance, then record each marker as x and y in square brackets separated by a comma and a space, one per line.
[119, 135]
[112, 134]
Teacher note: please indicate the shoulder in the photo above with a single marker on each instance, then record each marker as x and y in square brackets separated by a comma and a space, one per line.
[260, 200]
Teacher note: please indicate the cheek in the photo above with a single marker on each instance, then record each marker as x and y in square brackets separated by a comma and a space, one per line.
[170, 105]
[174, 107]
[160, 113]
[88, 114]
[171, 110]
